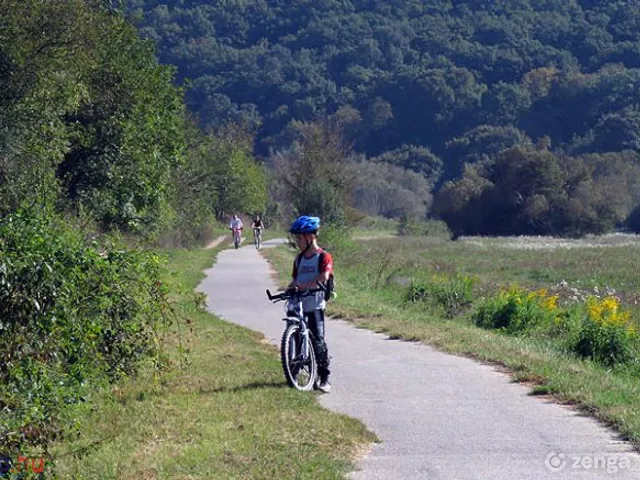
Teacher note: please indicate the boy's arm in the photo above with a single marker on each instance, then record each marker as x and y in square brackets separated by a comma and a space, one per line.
[322, 278]
[294, 273]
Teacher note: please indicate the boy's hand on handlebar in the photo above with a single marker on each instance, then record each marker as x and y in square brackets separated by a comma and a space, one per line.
[301, 287]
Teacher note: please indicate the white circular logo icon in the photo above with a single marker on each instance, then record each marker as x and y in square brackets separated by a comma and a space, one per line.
[555, 462]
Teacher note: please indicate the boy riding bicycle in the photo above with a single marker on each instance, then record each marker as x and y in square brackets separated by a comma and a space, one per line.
[312, 265]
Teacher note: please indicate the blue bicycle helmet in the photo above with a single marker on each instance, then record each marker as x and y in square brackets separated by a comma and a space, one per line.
[305, 224]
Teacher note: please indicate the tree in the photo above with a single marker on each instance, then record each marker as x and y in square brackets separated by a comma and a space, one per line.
[382, 189]
[315, 171]
[220, 177]
[89, 115]
[415, 158]
[617, 131]
[480, 145]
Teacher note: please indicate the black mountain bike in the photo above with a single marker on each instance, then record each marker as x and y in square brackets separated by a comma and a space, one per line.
[296, 348]
[257, 237]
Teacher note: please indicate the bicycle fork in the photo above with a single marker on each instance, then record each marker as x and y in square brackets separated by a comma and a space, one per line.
[303, 337]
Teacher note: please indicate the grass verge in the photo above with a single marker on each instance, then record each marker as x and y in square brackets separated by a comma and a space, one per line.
[372, 284]
[226, 413]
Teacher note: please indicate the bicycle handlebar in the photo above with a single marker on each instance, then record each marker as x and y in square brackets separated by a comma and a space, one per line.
[287, 294]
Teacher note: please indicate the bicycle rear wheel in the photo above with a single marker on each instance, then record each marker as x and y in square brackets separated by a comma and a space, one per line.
[299, 372]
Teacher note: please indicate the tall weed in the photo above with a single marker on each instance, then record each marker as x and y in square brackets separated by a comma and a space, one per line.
[607, 333]
[515, 310]
[453, 294]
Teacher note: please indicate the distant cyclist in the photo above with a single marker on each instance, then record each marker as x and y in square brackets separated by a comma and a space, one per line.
[236, 225]
[258, 227]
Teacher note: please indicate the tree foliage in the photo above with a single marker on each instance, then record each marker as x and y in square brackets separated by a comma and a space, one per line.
[89, 117]
[417, 73]
[93, 139]
[220, 177]
[314, 173]
[382, 189]
[537, 192]
[433, 87]
[73, 317]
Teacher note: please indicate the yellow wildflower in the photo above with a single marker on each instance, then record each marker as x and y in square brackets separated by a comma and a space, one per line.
[551, 303]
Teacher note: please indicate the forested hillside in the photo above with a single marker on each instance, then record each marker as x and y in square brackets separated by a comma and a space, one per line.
[429, 85]
[419, 72]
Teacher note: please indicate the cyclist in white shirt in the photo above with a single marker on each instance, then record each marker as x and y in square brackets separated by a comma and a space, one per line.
[235, 223]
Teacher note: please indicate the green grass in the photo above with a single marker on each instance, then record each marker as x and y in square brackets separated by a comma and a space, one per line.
[227, 413]
[375, 227]
[371, 284]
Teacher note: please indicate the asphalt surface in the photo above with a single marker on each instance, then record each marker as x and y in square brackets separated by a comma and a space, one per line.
[438, 416]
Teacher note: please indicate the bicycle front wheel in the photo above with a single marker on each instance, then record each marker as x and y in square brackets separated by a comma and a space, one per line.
[300, 371]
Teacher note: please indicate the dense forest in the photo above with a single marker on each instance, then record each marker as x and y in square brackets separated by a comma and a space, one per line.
[435, 86]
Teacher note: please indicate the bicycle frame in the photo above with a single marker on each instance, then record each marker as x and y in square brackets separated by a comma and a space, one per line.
[236, 234]
[303, 356]
[305, 331]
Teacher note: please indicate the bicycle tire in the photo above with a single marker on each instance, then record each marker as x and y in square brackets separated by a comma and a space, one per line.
[292, 365]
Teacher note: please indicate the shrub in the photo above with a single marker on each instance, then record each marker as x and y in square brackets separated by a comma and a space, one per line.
[515, 310]
[72, 317]
[336, 239]
[425, 228]
[607, 333]
[451, 293]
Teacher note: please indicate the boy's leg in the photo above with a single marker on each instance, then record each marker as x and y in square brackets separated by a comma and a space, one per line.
[315, 320]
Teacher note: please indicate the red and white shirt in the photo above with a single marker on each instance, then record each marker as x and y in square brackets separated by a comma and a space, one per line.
[305, 269]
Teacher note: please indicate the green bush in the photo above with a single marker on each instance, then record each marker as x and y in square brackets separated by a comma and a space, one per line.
[607, 334]
[452, 294]
[599, 330]
[336, 239]
[514, 310]
[72, 317]
[423, 228]
[377, 223]
[607, 344]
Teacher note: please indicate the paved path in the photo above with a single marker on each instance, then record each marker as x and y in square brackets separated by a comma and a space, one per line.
[439, 416]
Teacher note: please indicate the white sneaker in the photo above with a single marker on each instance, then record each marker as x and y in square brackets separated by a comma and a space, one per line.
[324, 387]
